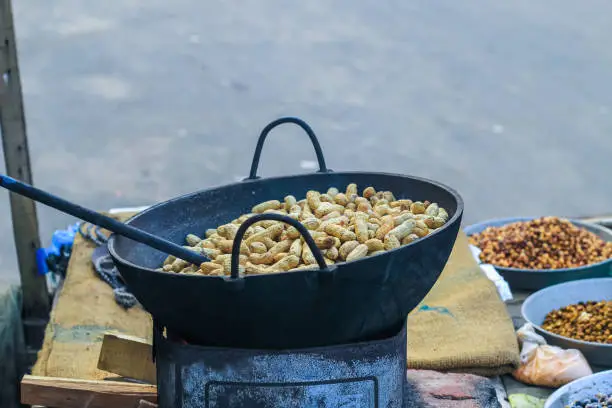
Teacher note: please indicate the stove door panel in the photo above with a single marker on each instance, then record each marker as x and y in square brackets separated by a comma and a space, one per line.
[345, 393]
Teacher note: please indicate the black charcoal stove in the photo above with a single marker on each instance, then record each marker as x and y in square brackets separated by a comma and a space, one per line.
[367, 374]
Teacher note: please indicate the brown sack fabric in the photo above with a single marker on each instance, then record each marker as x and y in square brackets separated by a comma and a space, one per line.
[85, 310]
[462, 325]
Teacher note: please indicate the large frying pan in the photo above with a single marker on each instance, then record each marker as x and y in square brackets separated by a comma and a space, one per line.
[345, 302]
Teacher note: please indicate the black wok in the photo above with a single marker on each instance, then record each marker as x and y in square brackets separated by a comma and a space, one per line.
[346, 302]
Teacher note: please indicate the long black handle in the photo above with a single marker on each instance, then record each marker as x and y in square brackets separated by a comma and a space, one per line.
[264, 133]
[273, 217]
[103, 221]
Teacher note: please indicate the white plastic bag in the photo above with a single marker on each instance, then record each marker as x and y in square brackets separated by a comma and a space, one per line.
[503, 289]
[547, 366]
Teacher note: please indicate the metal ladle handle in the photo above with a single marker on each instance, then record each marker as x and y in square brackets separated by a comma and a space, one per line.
[273, 217]
[100, 220]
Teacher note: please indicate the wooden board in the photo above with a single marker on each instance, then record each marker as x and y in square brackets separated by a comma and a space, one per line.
[84, 312]
[69, 393]
[127, 356]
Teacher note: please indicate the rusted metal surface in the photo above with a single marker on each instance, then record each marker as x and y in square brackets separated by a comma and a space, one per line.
[369, 374]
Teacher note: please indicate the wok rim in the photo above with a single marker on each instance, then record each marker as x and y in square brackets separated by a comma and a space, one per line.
[458, 214]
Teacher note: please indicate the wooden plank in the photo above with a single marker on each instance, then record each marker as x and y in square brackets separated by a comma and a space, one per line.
[69, 393]
[147, 404]
[36, 302]
[127, 356]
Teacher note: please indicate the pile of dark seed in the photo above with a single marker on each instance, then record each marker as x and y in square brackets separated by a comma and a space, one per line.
[598, 401]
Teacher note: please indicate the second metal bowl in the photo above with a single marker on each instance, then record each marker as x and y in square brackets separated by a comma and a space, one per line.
[537, 306]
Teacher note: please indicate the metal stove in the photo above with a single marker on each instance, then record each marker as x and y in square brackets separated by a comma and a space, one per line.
[358, 375]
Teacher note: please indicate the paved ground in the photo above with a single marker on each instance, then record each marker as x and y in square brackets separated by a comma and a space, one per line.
[133, 102]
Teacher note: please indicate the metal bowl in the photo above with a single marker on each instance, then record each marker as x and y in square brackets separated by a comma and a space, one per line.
[581, 389]
[534, 279]
[538, 305]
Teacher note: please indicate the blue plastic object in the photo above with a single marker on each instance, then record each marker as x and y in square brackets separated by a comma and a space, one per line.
[61, 238]
[535, 279]
[41, 261]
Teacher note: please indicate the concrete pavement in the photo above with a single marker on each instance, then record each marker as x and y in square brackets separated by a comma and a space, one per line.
[133, 102]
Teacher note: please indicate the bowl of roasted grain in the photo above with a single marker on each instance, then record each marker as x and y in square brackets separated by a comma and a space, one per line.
[575, 315]
[533, 253]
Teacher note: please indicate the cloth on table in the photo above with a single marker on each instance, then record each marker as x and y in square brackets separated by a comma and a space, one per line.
[462, 325]
[85, 310]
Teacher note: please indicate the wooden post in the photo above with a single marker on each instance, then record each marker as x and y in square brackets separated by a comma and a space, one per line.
[36, 302]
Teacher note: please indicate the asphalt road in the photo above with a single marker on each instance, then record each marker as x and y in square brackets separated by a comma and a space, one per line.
[133, 102]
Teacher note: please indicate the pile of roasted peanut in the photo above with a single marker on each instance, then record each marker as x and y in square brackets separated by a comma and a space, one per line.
[344, 225]
[543, 243]
[587, 321]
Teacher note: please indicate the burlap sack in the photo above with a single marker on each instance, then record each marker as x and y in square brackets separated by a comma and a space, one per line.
[462, 325]
[84, 311]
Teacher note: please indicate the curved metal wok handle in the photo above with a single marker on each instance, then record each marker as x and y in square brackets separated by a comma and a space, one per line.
[264, 133]
[273, 217]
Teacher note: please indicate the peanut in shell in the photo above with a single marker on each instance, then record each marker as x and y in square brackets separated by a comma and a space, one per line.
[341, 199]
[290, 201]
[388, 224]
[296, 248]
[417, 207]
[192, 239]
[284, 264]
[391, 242]
[403, 229]
[369, 192]
[339, 232]
[346, 248]
[359, 252]
[267, 205]
[374, 245]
